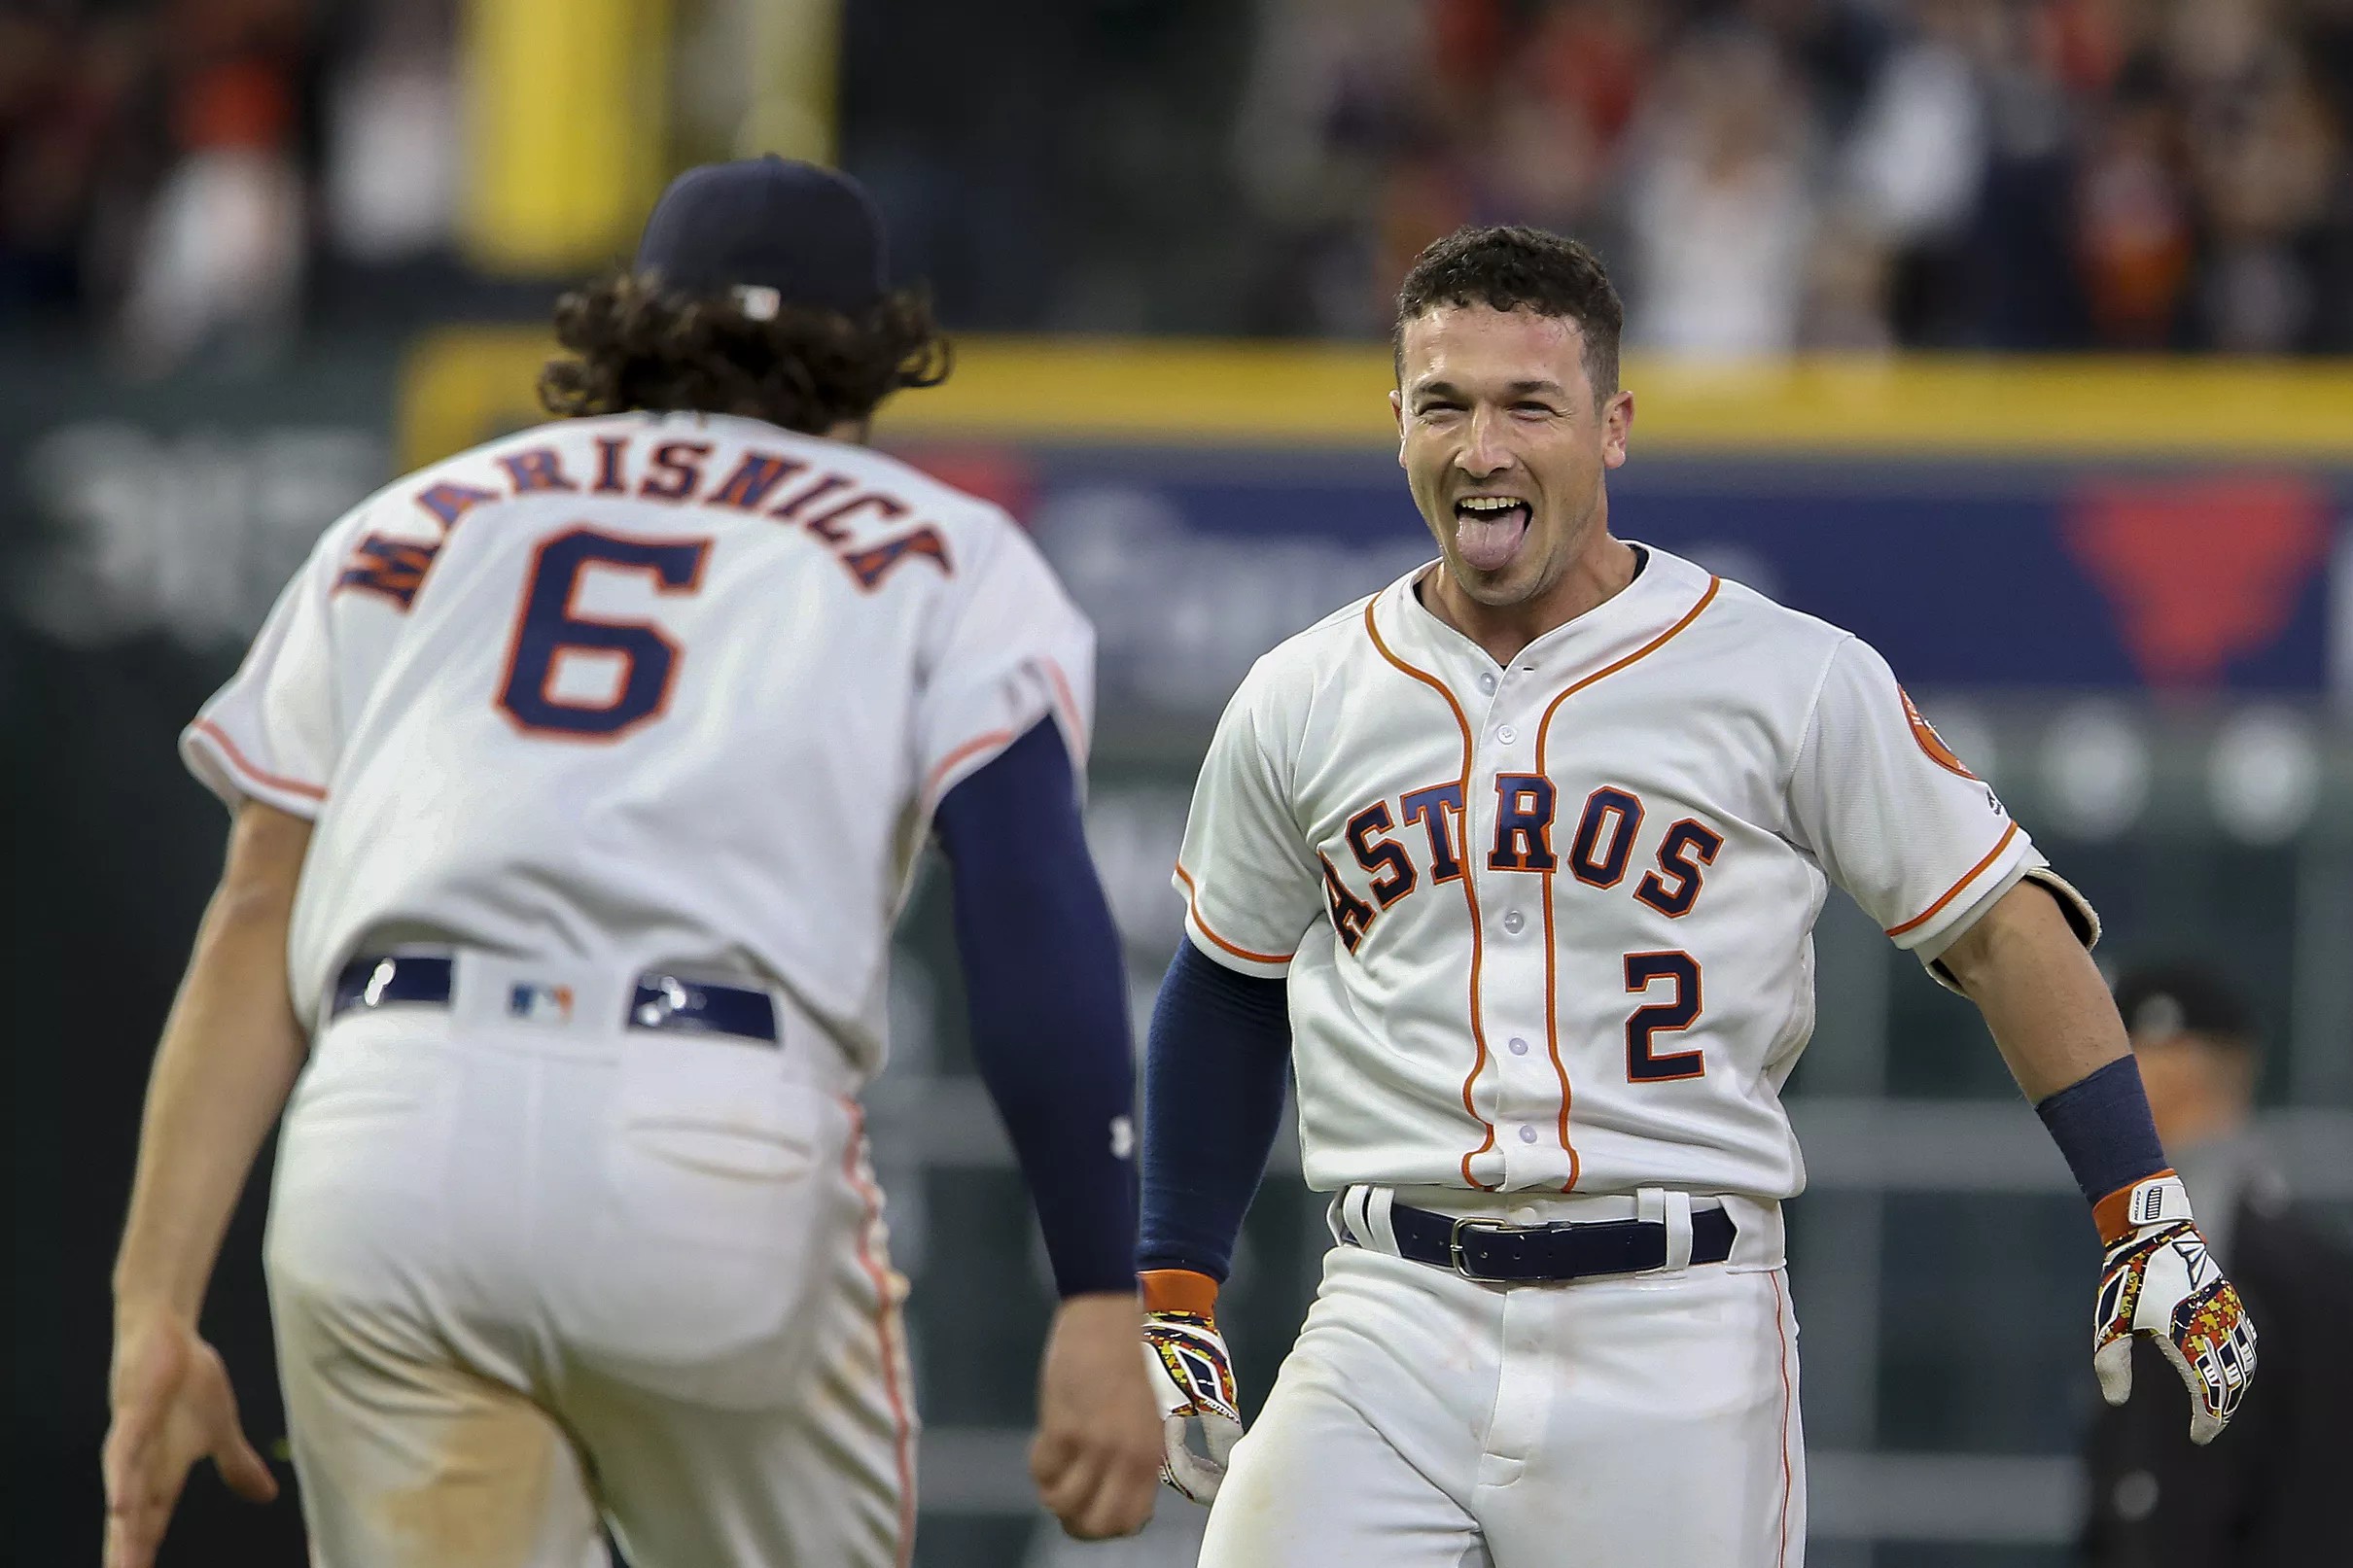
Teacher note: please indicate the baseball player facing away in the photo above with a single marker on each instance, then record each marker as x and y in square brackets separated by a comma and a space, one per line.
[576, 780]
[1514, 863]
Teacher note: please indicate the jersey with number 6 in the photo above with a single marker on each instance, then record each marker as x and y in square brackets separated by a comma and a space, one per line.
[647, 690]
[1548, 924]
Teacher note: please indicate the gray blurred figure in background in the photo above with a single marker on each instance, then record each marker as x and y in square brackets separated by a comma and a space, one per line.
[2268, 1491]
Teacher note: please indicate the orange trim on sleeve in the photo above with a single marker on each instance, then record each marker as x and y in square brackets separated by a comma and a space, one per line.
[1968, 877]
[245, 765]
[1068, 703]
[978, 743]
[1552, 984]
[1192, 904]
[1470, 894]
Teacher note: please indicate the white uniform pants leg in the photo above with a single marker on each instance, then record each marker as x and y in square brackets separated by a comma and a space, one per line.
[525, 1277]
[1425, 1421]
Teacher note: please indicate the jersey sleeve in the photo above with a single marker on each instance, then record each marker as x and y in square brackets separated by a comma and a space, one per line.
[1899, 821]
[1249, 883]
[1015, 650]
[272, 733]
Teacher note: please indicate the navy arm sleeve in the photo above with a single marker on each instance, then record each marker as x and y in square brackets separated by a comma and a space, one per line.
[1213, 1072]
[1047, 989]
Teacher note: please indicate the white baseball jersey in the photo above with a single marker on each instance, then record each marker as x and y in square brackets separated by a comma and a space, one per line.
[639, 691]
[1547, 925]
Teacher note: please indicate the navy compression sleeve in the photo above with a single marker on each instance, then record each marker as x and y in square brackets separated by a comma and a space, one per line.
[1047, 989]
[1213, 1072]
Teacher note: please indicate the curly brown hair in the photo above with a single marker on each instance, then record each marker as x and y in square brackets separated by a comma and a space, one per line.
[1519, 268]
[634, 344]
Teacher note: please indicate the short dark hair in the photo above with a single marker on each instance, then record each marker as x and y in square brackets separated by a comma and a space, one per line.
[1511, 268]
[634, 344]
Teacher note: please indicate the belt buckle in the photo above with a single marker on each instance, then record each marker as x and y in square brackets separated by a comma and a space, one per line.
[1454, 1248]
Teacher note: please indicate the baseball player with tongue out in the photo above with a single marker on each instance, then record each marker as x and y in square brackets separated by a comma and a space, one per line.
[1513, 866]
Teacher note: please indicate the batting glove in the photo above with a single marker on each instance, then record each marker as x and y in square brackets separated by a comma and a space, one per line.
[1193, 1375]
[2160, 1283]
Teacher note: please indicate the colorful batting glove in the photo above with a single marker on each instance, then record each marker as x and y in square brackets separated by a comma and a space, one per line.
[2159, 1282]
[1193, 1376]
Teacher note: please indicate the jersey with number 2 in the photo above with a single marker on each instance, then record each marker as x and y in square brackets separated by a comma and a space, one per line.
[1546, 924]
[643, 690]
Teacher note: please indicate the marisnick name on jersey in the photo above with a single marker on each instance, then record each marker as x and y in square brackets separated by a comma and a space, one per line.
[834, 509]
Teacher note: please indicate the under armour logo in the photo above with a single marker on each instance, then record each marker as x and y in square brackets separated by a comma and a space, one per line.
[1123, 1137]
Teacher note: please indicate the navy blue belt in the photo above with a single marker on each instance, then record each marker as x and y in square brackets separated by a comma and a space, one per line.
[661, 1001]
[1538, 1254]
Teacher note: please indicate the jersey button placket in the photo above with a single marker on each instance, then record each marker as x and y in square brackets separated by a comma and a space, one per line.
[1523, 1096]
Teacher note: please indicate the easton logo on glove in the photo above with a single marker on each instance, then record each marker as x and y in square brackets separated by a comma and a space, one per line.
[2159, 1281]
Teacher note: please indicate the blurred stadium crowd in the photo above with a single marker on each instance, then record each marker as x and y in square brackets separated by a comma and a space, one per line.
[189, 173]
[1763, 174]
[1853, 174]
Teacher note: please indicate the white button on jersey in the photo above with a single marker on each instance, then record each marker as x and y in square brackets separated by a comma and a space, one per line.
[1644, 875]
[643, 691]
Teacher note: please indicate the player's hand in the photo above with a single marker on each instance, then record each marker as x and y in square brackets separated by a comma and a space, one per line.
[2161, 1283]
[1096, 1457]
[171, 1407]
[1193, 1375]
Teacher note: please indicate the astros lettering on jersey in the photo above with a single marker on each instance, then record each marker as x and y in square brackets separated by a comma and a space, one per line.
[1546, 924]
[493, 696]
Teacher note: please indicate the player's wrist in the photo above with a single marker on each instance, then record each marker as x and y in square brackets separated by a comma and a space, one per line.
[2156, 1200]
[2103, 1127]
[139, 1303]
[1179, 1290]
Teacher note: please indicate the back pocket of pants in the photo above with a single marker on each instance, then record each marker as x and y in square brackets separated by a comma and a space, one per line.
[707, 1144]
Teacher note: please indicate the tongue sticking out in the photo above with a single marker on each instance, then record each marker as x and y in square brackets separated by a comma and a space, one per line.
[1488, 541]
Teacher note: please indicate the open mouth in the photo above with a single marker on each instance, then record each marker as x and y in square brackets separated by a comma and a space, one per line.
[1489, 529]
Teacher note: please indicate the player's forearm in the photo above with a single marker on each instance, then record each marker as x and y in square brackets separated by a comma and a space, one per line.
[2041, 997]
[229, 1056]
[2057, 1028]
[1216, 1063]
[1046, 992]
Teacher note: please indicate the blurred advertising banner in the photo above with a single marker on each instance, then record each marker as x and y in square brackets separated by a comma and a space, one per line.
[179, 507]
[2040, 576]
[2036, 528]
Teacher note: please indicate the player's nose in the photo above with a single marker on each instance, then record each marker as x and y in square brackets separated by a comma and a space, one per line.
[1484, 451]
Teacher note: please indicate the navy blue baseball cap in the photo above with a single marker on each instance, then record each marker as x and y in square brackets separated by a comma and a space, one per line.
[808, 234]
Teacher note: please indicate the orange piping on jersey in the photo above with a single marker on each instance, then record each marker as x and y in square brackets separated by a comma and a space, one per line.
[1782, 1334]
[887, 1331]
[1192, 904]
[978, 743]
[219, 738]
[1970, 876]
[1552, 983]
[1471, 894]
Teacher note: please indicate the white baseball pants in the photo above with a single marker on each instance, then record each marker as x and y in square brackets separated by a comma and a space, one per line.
[528, 1277]
[1426, 1421]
